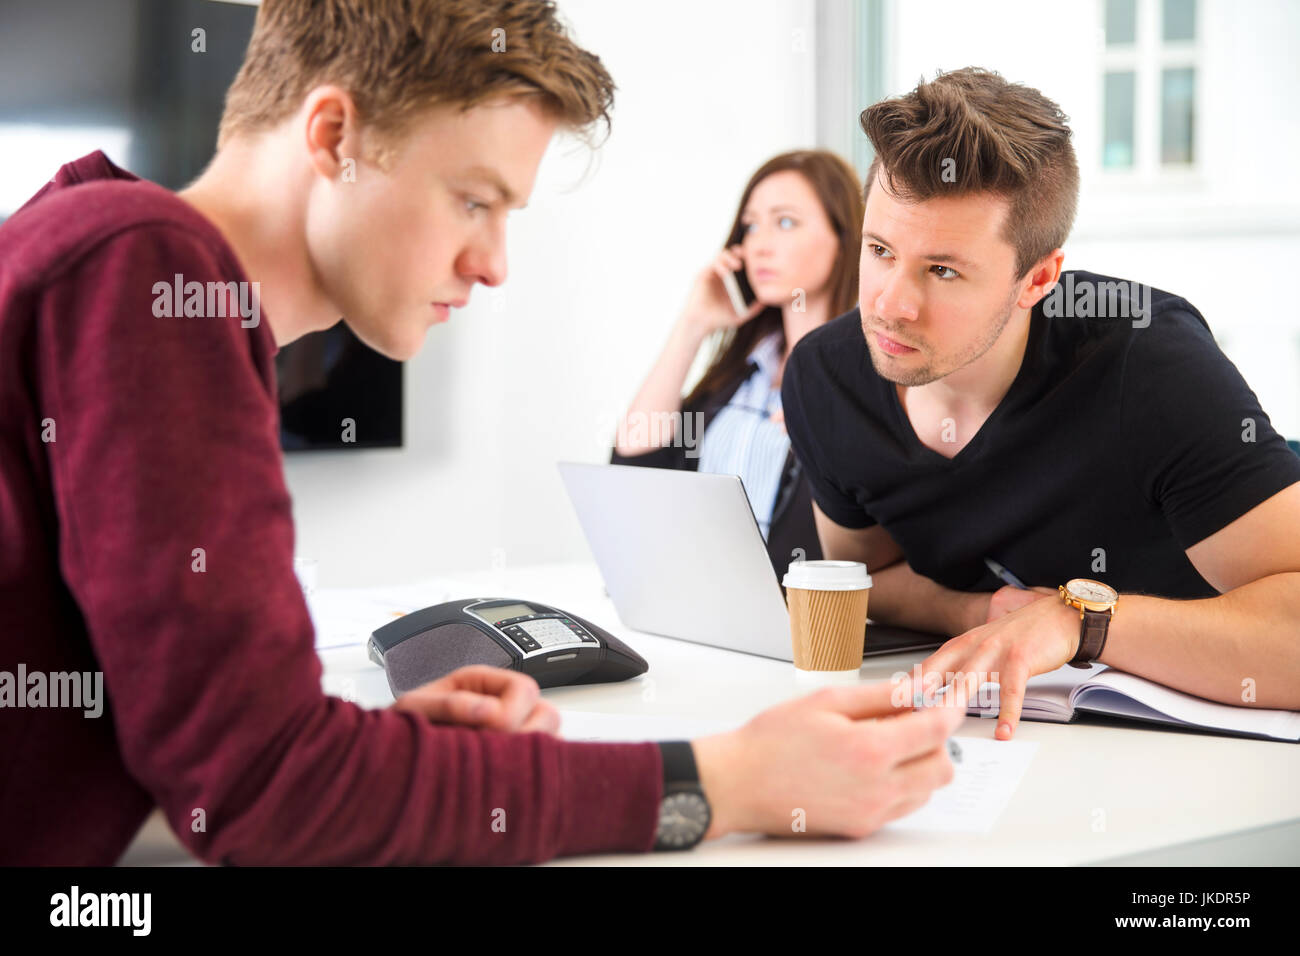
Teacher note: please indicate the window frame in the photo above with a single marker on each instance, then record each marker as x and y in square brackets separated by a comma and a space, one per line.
[1148, 57]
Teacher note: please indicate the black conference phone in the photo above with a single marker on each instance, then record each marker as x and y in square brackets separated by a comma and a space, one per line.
[553, 647]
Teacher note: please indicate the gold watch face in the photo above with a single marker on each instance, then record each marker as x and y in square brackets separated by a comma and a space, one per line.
[1091, 592]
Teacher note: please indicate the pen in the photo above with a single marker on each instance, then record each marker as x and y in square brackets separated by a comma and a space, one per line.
[918, 701]
[1005, 575]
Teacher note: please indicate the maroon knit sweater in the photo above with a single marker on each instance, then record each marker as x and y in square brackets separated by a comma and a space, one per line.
[128, 441]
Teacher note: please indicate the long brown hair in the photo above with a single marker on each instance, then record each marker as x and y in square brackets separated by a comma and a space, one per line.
[840, 194]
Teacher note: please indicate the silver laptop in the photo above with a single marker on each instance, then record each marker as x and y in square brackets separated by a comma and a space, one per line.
[682, 556]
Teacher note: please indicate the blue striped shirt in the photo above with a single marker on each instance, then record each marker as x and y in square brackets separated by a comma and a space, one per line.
[743, 440]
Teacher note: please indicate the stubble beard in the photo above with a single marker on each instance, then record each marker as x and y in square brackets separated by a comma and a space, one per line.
[933, 370]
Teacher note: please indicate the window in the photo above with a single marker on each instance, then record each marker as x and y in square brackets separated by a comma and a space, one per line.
[1177, 108]
[1118, 131]
[1149, 67]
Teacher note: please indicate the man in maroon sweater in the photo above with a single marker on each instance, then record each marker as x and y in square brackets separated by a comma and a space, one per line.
[365, 168]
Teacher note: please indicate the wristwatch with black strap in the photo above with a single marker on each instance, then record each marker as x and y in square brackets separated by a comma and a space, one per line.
[1096, 603]
[684, 813]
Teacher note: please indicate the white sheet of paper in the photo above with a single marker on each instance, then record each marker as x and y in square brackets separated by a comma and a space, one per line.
[630, 728]
[982, 785]
[347, 616]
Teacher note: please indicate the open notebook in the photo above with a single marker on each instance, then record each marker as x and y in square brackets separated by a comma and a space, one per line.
[1059, 696]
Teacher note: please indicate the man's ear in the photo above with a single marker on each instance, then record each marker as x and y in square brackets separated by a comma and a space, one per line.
[1042, 276]
[332, 130]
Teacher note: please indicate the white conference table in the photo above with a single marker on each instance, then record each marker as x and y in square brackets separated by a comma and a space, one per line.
[1093, 794]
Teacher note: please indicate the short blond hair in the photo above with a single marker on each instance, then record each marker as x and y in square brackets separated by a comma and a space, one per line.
[398, 58]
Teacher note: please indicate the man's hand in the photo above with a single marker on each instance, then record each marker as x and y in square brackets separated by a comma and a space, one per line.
[840, 762]
[491, 698]
[1037, 637]
[1007, 599]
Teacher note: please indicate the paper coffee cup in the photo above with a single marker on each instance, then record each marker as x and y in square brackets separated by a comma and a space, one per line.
[828, 614]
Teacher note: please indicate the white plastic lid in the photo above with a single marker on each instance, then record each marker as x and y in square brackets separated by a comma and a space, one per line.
[827, 576]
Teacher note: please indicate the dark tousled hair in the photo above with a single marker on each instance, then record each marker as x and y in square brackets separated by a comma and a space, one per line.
[971, 131]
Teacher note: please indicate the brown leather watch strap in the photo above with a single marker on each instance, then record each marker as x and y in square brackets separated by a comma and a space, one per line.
[1092, 637]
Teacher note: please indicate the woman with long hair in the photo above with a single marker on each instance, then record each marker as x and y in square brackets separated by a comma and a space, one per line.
[793, 248]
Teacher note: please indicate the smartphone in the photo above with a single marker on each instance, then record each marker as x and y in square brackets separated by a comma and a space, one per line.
[733, 292]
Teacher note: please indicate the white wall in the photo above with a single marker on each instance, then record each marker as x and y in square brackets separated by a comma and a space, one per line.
[537, 370]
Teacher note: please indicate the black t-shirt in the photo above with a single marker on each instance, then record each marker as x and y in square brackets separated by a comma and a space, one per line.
[1116, 447]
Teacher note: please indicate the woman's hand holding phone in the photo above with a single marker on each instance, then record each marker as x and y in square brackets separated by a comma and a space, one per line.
[709, 308]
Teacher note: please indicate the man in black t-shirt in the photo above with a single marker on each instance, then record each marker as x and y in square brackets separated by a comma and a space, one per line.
[985, 428]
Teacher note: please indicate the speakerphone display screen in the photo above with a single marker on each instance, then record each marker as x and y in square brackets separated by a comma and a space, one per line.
[504, 611]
